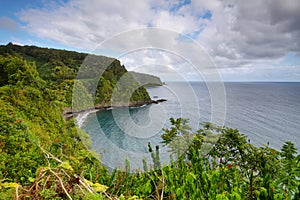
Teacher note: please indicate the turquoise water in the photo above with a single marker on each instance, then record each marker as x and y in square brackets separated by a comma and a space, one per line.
[265, 112]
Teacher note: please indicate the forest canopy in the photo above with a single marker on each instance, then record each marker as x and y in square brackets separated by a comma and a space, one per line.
[59, 69]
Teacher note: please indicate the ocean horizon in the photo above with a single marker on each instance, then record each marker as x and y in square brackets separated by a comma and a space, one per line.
[266, 112]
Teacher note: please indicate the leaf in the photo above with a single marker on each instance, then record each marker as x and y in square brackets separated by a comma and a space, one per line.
[179, 192]
[30, 179]
[121, 197]
[66, 165]
[147, 187]
[99, 187]
[191, 177]
[134, 198]
[9, 185]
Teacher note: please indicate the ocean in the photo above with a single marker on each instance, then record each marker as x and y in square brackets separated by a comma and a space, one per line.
[266, 112]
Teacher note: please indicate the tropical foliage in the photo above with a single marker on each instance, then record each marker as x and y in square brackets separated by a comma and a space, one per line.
[43, 156]
[59, 69]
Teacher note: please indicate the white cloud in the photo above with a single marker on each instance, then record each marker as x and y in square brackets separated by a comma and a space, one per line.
[253, 31]
[157, 62]
[238, 34]
[86, 23]
[185, 24]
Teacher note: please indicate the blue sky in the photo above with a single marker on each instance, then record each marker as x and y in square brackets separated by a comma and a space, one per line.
[253, 41]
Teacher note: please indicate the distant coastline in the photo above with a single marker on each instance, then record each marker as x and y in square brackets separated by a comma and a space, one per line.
[69, 113]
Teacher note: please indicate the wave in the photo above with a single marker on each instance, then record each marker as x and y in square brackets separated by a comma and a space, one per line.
[134, 107]
[81, 117]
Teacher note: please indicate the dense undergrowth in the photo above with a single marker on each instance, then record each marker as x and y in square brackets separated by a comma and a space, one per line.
[31, 120]
[43, 156]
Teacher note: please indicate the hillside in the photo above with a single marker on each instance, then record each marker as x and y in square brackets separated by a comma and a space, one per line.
[44, 156]
[98, 76]
[146, 79]
[32, 128]
[35, 87]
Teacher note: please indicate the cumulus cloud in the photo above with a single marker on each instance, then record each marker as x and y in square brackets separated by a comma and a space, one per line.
[234, 33]
[253, 31]
[158, 52]
[84, 24]
[157, 62]
[87, 23]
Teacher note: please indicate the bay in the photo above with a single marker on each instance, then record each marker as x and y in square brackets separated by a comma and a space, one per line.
[265, 112]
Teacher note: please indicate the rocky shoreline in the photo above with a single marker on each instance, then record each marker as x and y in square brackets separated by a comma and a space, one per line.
[69, 113]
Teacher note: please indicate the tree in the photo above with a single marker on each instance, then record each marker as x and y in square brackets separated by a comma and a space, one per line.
[288, 180]
[179, 137]
[17, 71]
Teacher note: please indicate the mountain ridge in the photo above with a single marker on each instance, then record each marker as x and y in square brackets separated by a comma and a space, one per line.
[98, 76]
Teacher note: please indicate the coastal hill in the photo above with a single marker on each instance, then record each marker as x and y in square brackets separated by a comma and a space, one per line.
[44, 156]
[99, 76]
[36, 86]
[146, 79]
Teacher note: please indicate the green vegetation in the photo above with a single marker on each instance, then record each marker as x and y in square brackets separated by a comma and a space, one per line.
[146, 79]
[43, 156]
[98, 75]
[31, 124]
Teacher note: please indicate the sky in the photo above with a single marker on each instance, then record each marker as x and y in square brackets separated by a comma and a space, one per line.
[257, 40]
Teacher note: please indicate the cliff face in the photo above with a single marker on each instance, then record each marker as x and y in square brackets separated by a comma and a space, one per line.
[146, 79]
[103, 80]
